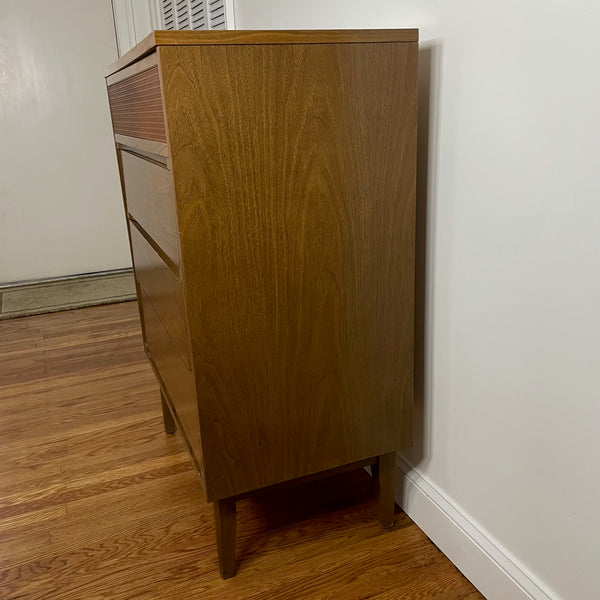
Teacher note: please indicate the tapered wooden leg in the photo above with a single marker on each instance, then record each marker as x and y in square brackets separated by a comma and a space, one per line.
[225, 521]
[168, 421]
[384, 476]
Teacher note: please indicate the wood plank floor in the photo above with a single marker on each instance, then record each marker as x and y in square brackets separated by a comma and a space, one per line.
[96, 502]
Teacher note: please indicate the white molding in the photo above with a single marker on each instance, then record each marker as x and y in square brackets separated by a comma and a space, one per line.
[229, 14]
[155, 15]
[491, 568]
[123, 26]
[130, 23]
[134, 19]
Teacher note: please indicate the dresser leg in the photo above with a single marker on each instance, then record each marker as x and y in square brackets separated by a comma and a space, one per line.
[384, 478]
[225, 521]
[168, 421]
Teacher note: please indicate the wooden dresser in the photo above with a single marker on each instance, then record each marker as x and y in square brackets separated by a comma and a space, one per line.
[269, 186]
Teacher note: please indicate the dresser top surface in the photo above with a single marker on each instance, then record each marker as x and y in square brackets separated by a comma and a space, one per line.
[235, 37]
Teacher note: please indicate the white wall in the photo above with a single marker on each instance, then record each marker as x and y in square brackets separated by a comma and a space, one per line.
[60, 201]
[510, 420]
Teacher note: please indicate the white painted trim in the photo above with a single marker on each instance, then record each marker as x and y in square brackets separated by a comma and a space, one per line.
[157, 18]
[123, 26]
[491, 568]
[229, 14]
[130, 24]
[118, 43]
[155, 15]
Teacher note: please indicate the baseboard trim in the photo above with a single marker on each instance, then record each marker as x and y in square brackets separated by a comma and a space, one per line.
[491, 569]
[65, 293]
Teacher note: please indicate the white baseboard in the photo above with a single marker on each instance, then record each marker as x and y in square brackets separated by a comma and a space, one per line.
[491, 569]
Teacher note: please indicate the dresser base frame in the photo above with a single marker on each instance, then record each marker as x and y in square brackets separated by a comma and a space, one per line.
[225, 508]
[382, 468]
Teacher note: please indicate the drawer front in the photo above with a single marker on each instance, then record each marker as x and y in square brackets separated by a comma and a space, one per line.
[162, 288]
[176, 379]
[151, 202]
[136, 106]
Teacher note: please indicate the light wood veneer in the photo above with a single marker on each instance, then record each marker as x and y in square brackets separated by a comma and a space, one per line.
[151, 202]
[273, 245]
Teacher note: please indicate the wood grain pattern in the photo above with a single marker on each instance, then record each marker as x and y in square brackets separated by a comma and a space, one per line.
[136, 106]
[168, 420]
[163, 290]
[177, 383]
[97, 502]
[312, 36]
[149, 198]
[225, 529]
[294, 170]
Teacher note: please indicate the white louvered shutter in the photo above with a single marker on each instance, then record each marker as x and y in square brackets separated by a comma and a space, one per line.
[198, 14]
[182, 9]
[193, 14]
[167, 11]
[216, 14]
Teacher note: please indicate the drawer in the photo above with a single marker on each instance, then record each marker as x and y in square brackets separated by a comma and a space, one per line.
[175, 378]
[136, 103]
[151, 202]
[162, 288]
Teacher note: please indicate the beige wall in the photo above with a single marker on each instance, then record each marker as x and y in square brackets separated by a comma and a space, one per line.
[60, 203]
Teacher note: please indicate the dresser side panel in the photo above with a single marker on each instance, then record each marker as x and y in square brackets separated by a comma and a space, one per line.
[294, 170]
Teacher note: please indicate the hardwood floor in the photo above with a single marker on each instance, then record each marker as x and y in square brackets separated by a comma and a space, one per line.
[96, 501]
